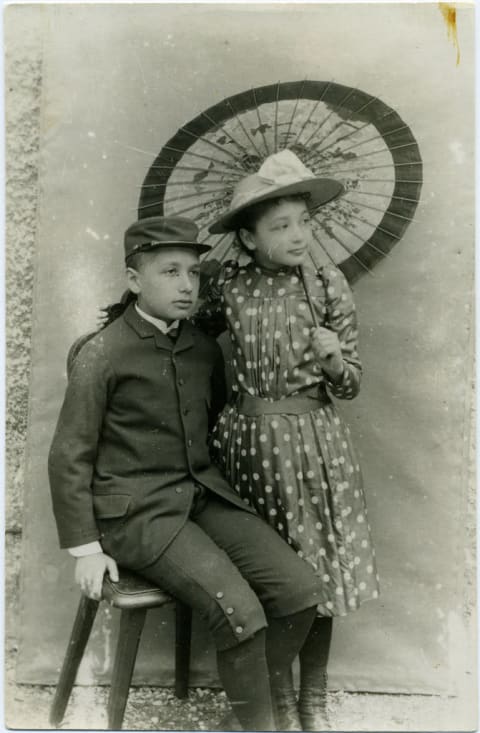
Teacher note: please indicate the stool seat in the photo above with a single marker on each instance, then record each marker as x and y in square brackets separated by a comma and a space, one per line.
[132, 591]
[133, 596]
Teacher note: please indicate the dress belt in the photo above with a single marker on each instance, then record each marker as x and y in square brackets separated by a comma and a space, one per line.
[306, 401]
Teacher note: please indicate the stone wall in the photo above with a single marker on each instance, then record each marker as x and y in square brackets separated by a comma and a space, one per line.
[23, 76]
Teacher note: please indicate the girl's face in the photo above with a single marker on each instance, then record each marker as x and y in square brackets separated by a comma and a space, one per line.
[281, 237]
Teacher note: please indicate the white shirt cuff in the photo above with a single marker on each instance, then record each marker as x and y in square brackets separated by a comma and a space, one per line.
[91, 548]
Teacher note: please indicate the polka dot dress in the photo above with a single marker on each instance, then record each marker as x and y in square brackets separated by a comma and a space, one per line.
[299, 471]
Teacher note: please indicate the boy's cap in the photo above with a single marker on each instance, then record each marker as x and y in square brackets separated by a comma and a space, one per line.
[281, 174]
[162, 231]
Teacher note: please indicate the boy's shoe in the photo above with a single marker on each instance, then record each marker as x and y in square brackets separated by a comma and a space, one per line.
[285, 710]
[313, 706]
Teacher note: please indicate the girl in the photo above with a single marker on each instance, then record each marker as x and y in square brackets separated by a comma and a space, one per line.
[280, 442]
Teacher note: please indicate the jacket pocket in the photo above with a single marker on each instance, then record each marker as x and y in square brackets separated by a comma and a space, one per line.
[111, 506]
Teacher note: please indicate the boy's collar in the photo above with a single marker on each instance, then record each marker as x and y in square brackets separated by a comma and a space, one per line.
[146, 329]
[158, 322]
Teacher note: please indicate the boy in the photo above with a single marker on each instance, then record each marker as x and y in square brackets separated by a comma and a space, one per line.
[132, 481]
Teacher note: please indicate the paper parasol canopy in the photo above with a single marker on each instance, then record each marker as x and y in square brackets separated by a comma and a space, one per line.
[337, 131]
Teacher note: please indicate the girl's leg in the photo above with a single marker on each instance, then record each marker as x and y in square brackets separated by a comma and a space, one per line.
[313, 675]
[285, 637]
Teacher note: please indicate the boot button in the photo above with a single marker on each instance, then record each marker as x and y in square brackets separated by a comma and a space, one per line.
[230, 610]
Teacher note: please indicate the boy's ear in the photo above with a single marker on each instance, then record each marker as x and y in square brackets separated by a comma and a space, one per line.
[247, 239]
[133, 280]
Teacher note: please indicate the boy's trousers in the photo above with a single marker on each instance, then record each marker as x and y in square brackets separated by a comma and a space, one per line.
[233, 569]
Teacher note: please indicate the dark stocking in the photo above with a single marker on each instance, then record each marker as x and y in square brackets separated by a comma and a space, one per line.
[313, 675]
[285, 637]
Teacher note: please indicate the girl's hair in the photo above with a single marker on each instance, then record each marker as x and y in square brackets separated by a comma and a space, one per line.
[249, 217]
[113, 311]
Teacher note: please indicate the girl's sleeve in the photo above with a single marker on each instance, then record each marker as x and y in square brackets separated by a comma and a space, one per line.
[342, 318]
[210, 316]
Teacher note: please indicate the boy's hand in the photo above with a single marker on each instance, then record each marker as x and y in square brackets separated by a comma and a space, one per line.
[89, 572]
[327, 349]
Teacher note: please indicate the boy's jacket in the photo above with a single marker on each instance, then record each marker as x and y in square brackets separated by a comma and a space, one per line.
[131, 439]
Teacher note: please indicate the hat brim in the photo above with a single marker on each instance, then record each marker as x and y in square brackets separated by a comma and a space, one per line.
[151, 246]
[321, 191]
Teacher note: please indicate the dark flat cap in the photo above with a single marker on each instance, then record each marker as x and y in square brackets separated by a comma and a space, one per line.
[162, 231]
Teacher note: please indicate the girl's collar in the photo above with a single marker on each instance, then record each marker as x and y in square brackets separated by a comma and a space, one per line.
[284, 270]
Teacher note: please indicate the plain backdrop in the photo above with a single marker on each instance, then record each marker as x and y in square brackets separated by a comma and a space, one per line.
[117, 83]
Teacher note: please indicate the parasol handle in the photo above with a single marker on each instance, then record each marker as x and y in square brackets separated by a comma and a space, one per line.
[310, 302]
[309, 299]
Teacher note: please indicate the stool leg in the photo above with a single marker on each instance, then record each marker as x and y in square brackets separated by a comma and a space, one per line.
[183, 637]
[131, 626]
[87, 610]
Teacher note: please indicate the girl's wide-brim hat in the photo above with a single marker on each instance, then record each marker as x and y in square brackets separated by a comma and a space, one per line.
[281, 174]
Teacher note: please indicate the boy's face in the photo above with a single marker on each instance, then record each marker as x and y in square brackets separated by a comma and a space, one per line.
[282, 236]
[166, 283]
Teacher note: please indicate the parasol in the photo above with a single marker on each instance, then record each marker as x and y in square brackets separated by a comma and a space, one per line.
[337, 131]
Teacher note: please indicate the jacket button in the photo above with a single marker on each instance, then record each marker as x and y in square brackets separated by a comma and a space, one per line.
[178, 489]
[181, 382]
[230, 610]
[189, 442]
[220, 594]
[239, 629]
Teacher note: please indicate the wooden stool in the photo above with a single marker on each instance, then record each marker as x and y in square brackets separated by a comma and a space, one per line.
[133, 596]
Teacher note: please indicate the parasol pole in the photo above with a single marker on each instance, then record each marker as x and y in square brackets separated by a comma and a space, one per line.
[309, 299]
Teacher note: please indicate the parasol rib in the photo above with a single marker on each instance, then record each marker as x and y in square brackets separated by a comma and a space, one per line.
[226, 132]
[382, 211]
[369, 167]
[214, 248]
[203, 157]
[332, 235]
[182, 183]
[210, 142]
[252, 142]
[374, 226]
[369, 154]
[316, 265]
[314, 108]
[349, 134]
[323, 248]
[276, 117]
[260, 123]
[367, 242]
[363, 142]
[294, 113]
[383, 196]
[332, 111]
[387, 180]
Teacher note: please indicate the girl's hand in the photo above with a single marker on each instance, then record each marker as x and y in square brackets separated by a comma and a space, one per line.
[89, 572]
[326, 347]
